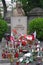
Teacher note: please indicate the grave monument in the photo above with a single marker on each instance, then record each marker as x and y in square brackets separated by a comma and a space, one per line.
[19, 20]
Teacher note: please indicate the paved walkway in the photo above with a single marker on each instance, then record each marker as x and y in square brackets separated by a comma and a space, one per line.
[4, 63]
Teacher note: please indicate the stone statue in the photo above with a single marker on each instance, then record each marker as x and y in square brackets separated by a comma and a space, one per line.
[18, 11]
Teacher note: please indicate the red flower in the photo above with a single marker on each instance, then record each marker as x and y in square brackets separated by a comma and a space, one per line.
[14, 31]
[16, 55]
[23, 42]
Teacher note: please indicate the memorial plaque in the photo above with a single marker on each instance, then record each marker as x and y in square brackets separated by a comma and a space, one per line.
[20, 24]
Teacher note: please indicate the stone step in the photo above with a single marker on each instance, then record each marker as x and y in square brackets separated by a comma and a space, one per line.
[4, 61]
[5, 64]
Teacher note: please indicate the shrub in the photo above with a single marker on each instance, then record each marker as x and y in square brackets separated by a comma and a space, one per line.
[3, 28]
[37, 25]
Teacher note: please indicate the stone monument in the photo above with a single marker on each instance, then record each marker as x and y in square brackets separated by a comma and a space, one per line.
[19, 20]
[35, 12]
[19, 24]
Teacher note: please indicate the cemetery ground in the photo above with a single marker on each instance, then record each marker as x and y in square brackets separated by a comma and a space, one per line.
[7, 62]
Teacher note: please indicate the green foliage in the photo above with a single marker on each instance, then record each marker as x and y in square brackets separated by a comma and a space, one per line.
[37, 25]
[3, 28]
[30, 4]
[0, 14]
[41, 2]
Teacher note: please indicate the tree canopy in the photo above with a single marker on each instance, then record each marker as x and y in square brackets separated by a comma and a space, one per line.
[29, 4]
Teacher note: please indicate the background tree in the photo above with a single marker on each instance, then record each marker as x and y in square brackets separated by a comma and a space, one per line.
[30, 4]
[41, 2]
[5, 7]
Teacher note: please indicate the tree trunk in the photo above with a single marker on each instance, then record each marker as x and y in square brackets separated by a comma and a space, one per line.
[5, 7]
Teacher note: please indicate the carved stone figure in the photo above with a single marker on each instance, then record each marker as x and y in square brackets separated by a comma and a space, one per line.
[18, 11]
